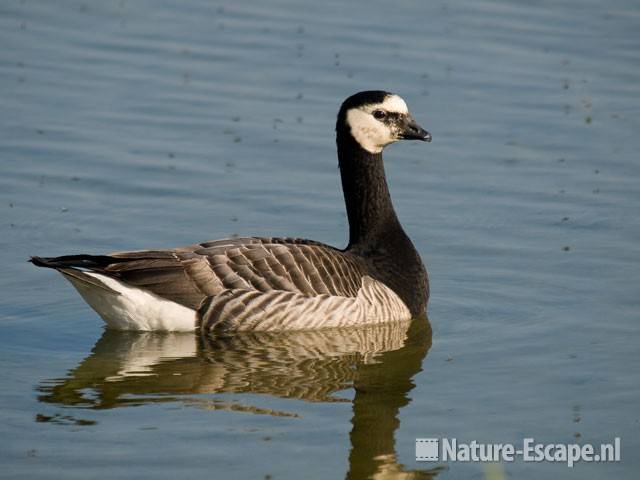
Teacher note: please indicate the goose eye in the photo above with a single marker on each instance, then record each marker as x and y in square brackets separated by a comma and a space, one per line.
[379, 114]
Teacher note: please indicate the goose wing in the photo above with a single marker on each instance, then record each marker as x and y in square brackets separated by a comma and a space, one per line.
[189, 275]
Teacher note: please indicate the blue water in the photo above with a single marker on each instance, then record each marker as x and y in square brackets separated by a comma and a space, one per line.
[130, 125]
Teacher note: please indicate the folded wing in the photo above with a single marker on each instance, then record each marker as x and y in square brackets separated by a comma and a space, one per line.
[189, 275]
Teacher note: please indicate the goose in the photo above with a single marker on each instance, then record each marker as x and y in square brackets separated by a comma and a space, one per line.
[277, 284]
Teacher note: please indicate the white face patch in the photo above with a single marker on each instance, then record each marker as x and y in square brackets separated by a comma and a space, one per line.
[394, 103]
[372, 134]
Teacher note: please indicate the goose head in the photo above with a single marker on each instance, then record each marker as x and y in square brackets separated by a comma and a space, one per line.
[376, 119]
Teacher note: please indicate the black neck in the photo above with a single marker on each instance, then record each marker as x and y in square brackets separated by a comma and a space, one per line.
[372, 218]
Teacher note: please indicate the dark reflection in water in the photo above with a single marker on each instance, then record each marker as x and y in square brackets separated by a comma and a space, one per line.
[378, 362]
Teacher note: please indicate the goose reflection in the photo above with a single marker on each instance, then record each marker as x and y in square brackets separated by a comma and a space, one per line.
[377, 361]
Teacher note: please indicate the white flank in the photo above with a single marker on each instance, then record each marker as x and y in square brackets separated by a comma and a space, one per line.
[375, 303]
[134, 309]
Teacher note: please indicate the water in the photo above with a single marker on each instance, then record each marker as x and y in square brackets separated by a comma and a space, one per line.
[132, 125]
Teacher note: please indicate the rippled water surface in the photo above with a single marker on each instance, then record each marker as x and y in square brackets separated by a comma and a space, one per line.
[130, 125]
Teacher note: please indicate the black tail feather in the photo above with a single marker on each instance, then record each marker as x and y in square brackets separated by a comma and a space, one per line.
[91, 262]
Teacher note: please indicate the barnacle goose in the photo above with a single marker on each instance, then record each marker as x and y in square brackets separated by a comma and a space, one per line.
[272, 284]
